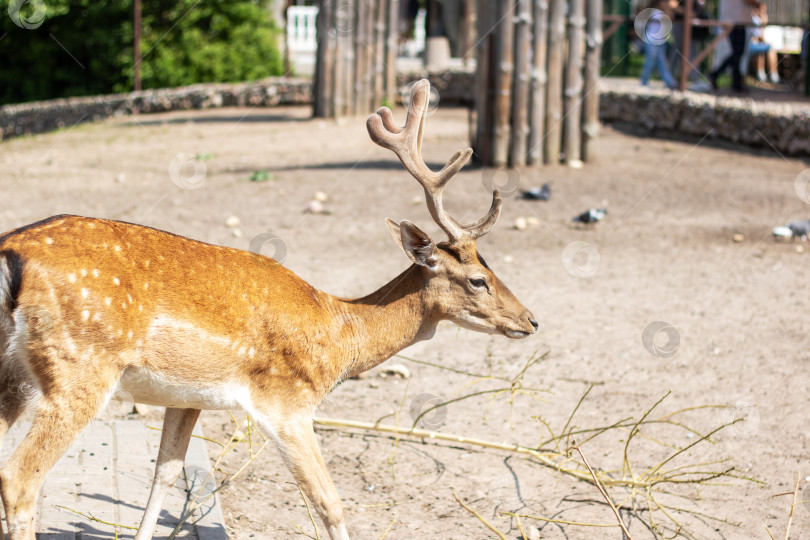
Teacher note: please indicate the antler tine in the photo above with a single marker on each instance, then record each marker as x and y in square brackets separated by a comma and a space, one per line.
[483, 225]
[406, 143]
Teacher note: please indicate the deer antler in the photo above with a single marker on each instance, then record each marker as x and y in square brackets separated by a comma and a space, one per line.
[406, 143]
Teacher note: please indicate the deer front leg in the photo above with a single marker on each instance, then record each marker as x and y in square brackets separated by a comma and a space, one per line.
[302, 455]
[177, 427]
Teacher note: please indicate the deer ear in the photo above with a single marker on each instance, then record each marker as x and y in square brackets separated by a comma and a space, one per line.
[414, 242]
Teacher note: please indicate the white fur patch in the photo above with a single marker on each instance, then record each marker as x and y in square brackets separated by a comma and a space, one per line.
[143, 385]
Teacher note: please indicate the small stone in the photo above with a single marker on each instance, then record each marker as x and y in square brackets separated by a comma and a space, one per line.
[799, 249]
[521, 223]
[575, 164]
[315, 207]
[120, 178]
[533, 221]
[508, 259]
[320, 196]
[237, 233]
[141, 409]
[738, 237]
[398, 370]
[417, 200]
[232, 222]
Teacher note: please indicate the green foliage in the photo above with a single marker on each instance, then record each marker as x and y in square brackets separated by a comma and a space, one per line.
[261, 176]
[85, 47]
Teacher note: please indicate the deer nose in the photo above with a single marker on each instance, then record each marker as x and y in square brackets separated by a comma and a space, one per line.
[534, 324]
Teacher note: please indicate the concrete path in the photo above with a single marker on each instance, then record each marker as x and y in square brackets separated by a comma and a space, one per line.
[107, 475]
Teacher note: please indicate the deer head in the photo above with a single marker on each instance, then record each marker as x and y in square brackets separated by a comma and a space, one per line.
[458, 282]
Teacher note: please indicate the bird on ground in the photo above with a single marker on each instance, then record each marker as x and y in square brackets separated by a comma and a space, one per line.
[536, 193]
[800, 229]
[591, 216]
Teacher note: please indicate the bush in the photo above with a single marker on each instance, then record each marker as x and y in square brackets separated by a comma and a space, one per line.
[85, 47]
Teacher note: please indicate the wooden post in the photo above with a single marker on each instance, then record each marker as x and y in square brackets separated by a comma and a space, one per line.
[467, 36]
[537, 113]
[593, 54]
[555, 75]
[370, 51]
[350, 75]
[504, 69]
[392, 48]
[520, 103]
[686, 65]
[379, 55]
[484, 81]
[573, 82]
[322, 107]
[361, 51]
[337, 90]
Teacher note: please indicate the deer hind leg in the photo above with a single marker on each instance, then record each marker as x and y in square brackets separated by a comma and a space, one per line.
[177, 427]
[62, 413]
[301, 453]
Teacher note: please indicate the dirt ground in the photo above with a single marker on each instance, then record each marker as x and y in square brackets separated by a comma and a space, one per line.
[734, 314]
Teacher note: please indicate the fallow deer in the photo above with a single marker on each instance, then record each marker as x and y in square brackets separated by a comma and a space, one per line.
[178, 323]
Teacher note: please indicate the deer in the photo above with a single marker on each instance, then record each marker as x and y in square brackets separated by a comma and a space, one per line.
[94, 309]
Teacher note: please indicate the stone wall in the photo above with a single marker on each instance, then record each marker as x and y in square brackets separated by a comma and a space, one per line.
[43, 116]
[783, 127]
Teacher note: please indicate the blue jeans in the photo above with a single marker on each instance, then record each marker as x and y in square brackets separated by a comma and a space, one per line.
[655, 57]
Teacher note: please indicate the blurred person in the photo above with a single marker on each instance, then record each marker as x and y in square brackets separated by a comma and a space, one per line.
[740, 13]
[655, 47]
[764, 55]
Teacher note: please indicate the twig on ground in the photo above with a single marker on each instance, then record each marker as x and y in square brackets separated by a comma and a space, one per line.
[602, 490]
[480, 518]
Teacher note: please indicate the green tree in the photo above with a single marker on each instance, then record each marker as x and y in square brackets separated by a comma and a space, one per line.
[61, 48]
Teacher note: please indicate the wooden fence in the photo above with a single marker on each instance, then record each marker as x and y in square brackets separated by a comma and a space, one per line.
[357, 50]
[537, 69]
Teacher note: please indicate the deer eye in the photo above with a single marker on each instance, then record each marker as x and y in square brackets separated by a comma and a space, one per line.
[478, 283]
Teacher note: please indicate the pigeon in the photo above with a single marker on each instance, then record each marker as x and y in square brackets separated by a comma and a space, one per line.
[591, 216]
[536, 193]
[799, 228]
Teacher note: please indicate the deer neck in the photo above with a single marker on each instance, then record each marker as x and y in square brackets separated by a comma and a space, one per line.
[377, 326]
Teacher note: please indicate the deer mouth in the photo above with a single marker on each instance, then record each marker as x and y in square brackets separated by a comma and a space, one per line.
[516, 334]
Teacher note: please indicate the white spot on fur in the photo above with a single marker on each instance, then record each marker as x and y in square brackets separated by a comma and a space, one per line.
[85, 293]
[108, 301]
[84, 272]
[116, 281]
[129, 334]
[145, 286]
[242, 350]
[85, 315]
[117, 248]
[252, 352]
[95, 272]
[72, 278]
[49, 240]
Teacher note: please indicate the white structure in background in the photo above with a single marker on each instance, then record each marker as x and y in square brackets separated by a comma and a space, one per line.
[302, 39]
[301, 31]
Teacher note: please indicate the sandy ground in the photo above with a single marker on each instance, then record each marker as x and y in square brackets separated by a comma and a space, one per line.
[736, 313]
